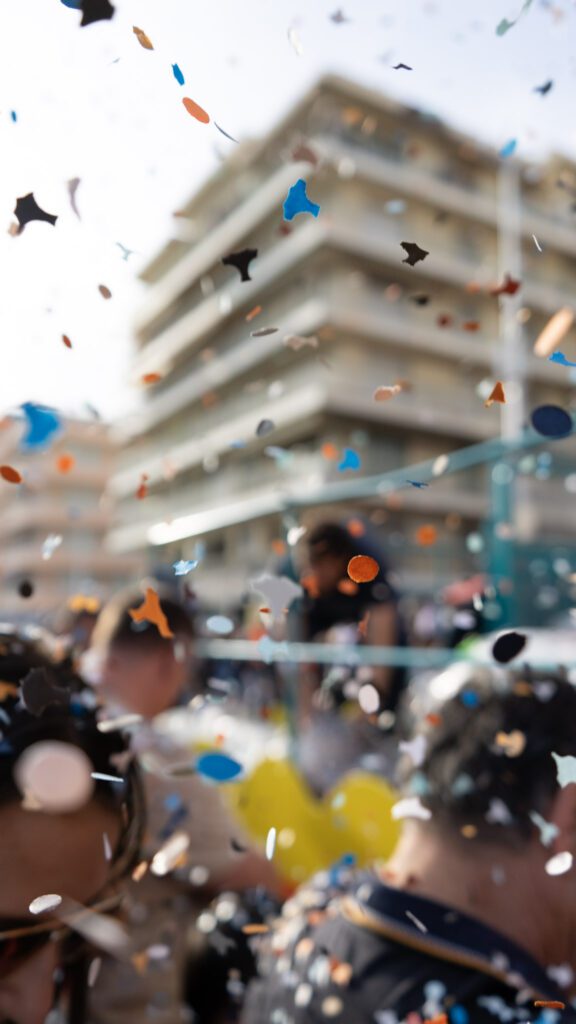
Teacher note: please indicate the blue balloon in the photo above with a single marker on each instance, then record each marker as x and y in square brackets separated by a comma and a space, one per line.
[218, 767]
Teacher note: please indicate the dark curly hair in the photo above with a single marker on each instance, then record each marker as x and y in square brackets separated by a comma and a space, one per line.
[493, 741]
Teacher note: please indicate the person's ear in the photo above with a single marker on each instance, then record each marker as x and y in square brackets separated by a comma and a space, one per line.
[563, 817]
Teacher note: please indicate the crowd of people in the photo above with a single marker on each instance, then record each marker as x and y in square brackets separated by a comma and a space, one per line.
[132, 891]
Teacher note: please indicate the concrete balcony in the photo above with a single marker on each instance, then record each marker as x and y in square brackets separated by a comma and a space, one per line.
[48, 515]
[25, 559]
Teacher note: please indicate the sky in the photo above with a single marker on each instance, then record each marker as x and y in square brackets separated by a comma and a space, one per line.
[91, 103]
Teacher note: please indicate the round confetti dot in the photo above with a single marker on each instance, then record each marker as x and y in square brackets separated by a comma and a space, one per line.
[11, 475]
[332, 1006]
[43, 903]
[551, 421]
[220, 624]
[426, 535]
[559, 864]
[363, 569]
[55, 776]
[25, 588]
[64, 463]
[508, 646]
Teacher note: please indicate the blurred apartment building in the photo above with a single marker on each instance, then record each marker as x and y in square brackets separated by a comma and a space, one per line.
[52, 525]
[382, 174]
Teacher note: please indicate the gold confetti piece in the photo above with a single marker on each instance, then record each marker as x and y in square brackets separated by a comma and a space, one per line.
[140, 870]
[496, 395]
[255, 929]
[554, 331]
[386, 391]
[151, 611]
[7, 690]
[142, 38]
[512, 743]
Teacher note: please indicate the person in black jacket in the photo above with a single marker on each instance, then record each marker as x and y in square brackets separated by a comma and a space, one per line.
[473, 920]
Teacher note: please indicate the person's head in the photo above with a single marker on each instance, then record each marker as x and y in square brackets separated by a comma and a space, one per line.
[330, 548]
[73, 845]
[138, 669]
[481, 763]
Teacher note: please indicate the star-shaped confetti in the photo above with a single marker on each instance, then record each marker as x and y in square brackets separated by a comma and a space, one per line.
[151, 611]
[95, 10]
[241, 260]
[414, 254]
[298, 202]
[27, 209]
[42, 425]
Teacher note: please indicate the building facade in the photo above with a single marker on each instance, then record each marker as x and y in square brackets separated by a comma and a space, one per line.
[264, 383]
[53, 523]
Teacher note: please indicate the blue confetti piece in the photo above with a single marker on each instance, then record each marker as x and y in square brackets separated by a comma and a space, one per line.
[183, 567]
[42, 425]
[459, 1015]
[177, 74]
[469, 699]
[74, 5]
[218, 767]
[297, 202]
[14, 116]
[508, 149]
[350, 460]
[560, 358]
[173, 802]
[416, 483]
[551, 421]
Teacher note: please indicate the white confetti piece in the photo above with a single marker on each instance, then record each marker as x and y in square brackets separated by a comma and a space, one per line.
[559, 864]
[43, 903]
[270, 843]
[565, 769]
[411, 807]
[295, 41]
[537, 243]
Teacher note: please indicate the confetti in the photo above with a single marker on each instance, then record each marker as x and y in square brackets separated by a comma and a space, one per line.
[66, 341]
[150, 378]
[508, 287]
[362, 569]
[298, 341]
[410, 807]
[508, 646]
[126, 253]
[545, 88]
[505, 25]
[295, 42]
[178, 74]
[142, 38]
[43, 424]
[72, 186]
[270, 843]
[512, 743]
[496, 395]
[550, 1004]
[559, 864]
[414, 254]
[565, 769]
[10, 475]
[142, 490]
[412, 917]
[560, 358]
[151, 611]
[50, 545]
[241, 261]
[104, 291]
[183, 567]
[43, 903]
[537, 243]
[263, 332]
[254, 312]
[508, 149]
[225, 134]
[195, 110]
[264, 428]
[220, 624]
[402, 67]
[553, 333]
[38, 692]
[426, 535]
[27, 209]
[218, 767]
[386, 391]
[255, 929]
[279, 591]
[298, 202]
[548, 831]
[350, 460]
[551, 421]
[95, 10]
[65, 463]
[25, 588]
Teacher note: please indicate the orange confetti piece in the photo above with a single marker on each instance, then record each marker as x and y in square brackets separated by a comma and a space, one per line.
[440, 1018]
[278, 547]
[363, 569]
[329, 451]
[150, 611]
[104, 291]
[142, 38]
[11, 475]
[554, 331]
[255, 929]
[386, 391]
[66, 341]
[496, 395]
[64, 463]
[140, 870]
[426, 535]
[196, 111]
[356, 527]
[253, 313]
[310, 585]
[8, 690]
[151, 378]
[471, 325]
[550, 1004]
[433, 719]
[265, 611]
[142, 491]
[347, 587]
